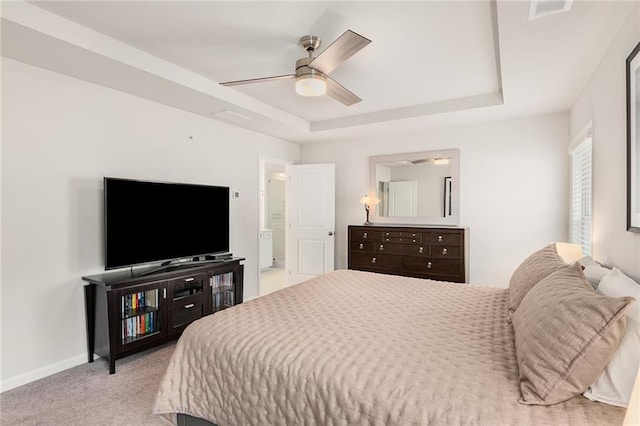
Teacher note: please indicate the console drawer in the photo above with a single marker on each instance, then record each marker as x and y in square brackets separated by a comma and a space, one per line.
[188, 286]
[184, 313]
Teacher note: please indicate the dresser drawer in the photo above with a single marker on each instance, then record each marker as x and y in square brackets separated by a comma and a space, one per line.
[402, 234]
[391, 248]
[405, 240]
[364, 246]
[450, 252]
[375, 260]
[443, 238]
[432, 266]
[365, 235]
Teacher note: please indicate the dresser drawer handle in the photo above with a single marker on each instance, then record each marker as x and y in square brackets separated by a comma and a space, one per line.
[440, 238]
[361, 246]
[373, 260]
[186, 280]
[414, 235]
[414, 241]
[386, 233]
[364, 235]
[444, 251]
[421, 250]
[381, 247]
[387, 240]
[428, 265]
[189, 306]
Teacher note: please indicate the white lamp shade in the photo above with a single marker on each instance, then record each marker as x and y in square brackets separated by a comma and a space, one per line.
[311, 85]
[369, 200]
[569, 252]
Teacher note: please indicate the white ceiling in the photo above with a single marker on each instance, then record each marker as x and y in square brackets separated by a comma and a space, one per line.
[430, 63]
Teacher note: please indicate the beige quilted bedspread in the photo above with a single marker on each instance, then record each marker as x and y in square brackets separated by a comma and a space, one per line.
[357, 348]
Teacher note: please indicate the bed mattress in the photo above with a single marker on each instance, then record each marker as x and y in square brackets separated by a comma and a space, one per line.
[358, 348]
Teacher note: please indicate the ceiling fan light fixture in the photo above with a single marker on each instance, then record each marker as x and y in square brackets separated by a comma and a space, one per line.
[311, 85]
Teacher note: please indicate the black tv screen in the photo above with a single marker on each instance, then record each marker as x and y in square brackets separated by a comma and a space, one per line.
[149, 222]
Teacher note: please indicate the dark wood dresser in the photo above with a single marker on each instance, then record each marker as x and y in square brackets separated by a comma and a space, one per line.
[422, 252]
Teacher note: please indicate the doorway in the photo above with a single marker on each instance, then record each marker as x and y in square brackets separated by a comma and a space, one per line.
[272, 242]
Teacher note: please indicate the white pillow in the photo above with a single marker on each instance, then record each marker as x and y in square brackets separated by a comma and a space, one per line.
[587, 261]
[595, 273]
[615, 384]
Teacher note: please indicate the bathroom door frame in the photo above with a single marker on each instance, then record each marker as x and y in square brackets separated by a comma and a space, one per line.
[262, 183]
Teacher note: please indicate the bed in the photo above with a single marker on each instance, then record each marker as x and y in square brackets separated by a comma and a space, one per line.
[360, 348]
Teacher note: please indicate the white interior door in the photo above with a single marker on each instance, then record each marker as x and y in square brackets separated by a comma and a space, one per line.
[312, 220]
[403, 198]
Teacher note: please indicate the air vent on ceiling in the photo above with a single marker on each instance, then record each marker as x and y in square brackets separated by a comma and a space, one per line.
[231, 116]
[542, 8]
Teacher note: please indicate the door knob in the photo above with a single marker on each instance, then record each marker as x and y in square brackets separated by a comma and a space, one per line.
[330, 233]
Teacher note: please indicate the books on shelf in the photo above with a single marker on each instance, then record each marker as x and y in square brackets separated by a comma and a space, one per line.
[139, 315]
[222, 280]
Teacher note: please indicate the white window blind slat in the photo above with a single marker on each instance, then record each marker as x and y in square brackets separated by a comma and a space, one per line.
[581, 194]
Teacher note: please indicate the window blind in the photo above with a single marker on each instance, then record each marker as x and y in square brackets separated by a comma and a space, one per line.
[581, 194]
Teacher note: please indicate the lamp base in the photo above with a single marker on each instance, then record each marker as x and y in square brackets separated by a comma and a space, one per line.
[368, 223]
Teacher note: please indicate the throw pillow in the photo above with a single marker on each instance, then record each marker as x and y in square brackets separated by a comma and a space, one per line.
[565, 334]
[531, 271]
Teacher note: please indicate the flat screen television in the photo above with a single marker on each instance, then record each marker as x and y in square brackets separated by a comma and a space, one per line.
[148, 222]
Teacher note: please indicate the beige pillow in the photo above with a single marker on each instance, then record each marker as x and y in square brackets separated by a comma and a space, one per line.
[565, 334]
[531, 271]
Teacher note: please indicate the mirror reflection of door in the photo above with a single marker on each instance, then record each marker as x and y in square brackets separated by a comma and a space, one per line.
[403, 198]
[409, 189]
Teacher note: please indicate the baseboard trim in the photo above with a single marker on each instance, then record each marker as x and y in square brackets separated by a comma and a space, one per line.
[43, 372]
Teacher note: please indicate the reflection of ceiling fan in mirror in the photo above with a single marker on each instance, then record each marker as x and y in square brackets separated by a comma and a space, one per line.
[311, 73]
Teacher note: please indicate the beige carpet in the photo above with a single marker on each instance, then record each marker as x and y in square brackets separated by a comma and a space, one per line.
[89, 395]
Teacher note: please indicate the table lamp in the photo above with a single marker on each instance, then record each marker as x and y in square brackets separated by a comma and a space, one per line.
[368, 202]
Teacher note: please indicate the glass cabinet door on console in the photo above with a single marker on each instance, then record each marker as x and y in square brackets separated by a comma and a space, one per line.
[141, 315]
[187, 301]
[222, 291]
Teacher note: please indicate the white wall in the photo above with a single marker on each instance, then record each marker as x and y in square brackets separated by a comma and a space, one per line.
[603, 101]
[513, 178]
[60, 136]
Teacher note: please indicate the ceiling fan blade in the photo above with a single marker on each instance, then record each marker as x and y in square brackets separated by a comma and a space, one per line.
[345, 46]
[339, 93]
[257, 80]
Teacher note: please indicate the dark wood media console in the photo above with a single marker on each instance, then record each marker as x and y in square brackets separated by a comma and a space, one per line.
[412, 251]
[127, 313]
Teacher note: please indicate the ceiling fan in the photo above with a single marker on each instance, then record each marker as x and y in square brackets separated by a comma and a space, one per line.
[311, 72]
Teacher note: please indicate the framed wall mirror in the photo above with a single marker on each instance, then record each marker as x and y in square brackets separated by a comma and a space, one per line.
[633, 140]
[416, 188]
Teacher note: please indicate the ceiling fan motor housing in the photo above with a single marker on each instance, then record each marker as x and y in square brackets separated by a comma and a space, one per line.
[303, 69]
